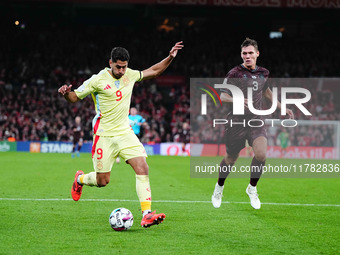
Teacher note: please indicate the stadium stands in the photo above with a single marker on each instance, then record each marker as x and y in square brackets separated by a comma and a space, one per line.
[37, 60]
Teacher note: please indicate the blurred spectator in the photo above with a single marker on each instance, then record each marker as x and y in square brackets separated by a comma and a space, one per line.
[136, 121]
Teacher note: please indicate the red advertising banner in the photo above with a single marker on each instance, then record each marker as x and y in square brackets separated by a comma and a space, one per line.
[302, 152]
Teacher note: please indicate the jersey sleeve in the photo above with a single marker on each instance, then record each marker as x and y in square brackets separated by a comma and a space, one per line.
[141, 119]
[86, 88]
[267, 84]
[229, 79]
[136, 75]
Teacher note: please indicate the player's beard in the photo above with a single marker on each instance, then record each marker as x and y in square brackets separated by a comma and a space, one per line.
[116, 76]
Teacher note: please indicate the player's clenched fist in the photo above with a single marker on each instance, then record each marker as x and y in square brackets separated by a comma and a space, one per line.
[65, 89]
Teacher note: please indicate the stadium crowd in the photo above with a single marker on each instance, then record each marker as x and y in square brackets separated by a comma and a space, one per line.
[31, 72]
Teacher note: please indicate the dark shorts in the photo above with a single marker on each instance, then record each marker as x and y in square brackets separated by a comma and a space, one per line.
[77, 139]
[236, 137]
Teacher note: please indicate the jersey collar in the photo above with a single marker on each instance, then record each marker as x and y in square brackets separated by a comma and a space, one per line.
[252, 71]
[107, 70]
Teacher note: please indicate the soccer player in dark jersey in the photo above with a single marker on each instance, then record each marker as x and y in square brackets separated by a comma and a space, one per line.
[77, 137]
[246, 75]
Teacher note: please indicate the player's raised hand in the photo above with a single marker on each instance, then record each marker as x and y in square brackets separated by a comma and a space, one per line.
[174, 50]
[65, 89]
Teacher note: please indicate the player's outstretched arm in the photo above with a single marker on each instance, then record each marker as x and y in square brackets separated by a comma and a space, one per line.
[159, 68]
[269, 95]
[69, 95]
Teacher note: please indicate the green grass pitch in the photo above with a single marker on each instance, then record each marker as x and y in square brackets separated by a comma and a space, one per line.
[57, 225]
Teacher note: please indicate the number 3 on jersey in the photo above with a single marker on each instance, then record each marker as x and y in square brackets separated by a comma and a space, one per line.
[255, 85]
[119, 95]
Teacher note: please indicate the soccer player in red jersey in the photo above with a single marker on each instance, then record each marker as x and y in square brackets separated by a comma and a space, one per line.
[246, 75]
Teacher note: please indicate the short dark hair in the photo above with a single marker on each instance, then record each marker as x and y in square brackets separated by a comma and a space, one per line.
[250, 42]
[119, 53]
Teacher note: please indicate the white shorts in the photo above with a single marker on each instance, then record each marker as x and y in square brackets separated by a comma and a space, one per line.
[106, 149]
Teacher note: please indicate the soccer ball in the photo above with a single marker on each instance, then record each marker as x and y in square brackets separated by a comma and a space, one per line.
[121, 219]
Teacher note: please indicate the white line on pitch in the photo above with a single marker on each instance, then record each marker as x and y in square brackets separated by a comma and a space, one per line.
[158, 201]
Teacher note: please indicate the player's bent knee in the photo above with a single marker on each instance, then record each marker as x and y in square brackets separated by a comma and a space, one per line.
[143, 169]
[261, 157]
[230, 159]
[102, 180]
[139, 165]
[102, 183]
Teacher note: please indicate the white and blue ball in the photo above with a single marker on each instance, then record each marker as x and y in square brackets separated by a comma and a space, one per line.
[121, 219]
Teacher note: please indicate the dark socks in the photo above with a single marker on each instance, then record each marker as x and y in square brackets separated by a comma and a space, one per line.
[223, 173]
[257, 169]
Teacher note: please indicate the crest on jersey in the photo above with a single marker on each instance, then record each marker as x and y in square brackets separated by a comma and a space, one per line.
[117, 83]
[100, 165]
[125, 80]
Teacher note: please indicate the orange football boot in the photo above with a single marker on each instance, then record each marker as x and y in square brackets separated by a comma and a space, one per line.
[76, 187]
[152, 219]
